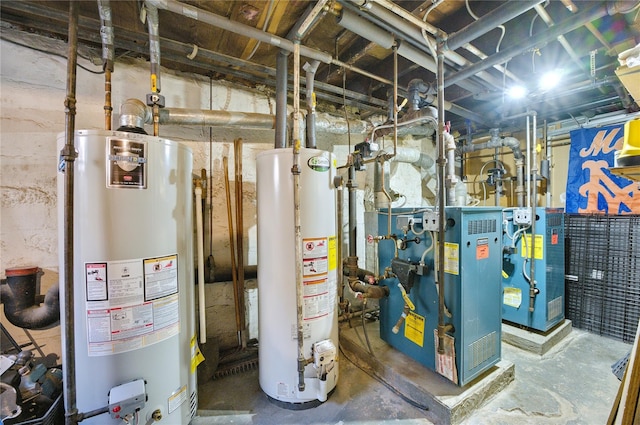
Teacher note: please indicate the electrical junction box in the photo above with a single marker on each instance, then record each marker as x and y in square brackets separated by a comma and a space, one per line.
[127, 398]
[430, 221]
[549, 271]
[404, 222]
[522, 217]
[472, 287]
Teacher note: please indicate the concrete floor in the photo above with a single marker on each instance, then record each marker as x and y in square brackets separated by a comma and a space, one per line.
[570, 384]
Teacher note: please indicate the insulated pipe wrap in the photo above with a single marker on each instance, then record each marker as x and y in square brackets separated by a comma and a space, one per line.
[106, 34]
[215, 118]
[154, 47]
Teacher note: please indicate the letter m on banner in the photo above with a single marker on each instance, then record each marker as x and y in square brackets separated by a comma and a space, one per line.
[591, 187]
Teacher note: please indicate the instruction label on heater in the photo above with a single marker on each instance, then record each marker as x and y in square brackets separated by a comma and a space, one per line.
[451, 258]
[317, 300]
[120, 316]
[539, 248]
[414, 328]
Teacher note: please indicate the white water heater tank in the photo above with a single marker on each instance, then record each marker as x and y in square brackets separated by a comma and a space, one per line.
[277, 300]
[133, 273]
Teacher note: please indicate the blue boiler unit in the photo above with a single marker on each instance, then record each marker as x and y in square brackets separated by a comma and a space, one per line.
[548, 257]
[472, 287]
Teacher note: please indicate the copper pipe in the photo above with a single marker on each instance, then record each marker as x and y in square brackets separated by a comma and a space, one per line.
[237, 144]
[232, 248]
[107, 99]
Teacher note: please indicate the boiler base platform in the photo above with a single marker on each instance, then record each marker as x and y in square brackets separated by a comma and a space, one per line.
[534, 341]
[447, 403]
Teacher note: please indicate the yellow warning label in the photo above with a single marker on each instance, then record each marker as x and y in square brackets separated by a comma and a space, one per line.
[414, 328]
[196, 355]
[451, 258]
[539, 248]
[512, 297]
[333, 262]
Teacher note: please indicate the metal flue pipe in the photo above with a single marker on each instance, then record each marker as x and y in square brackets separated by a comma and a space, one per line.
[281, 99]
[68, 155]
[180, 116]
[311, 69]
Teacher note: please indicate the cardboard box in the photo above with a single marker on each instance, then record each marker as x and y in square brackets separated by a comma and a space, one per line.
[630, 78]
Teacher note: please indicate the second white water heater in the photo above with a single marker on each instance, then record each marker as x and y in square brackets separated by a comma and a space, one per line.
[277, 275]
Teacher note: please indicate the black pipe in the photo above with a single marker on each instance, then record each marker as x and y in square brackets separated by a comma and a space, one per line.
[18, 294]
[68, 155]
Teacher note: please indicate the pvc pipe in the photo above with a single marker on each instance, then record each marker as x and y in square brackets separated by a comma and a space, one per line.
[200, 250]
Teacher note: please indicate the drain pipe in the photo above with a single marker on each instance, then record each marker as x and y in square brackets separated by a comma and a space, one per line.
[106, 33]
[18, 294]
[68, 155]
[311, 69]
[281, 99]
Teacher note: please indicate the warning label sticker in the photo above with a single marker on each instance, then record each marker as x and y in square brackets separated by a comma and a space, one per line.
[451, 258]
[414, 328]
[121, 316]
[538, 249]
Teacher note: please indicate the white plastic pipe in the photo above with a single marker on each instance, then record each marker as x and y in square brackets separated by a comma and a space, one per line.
[200, 248]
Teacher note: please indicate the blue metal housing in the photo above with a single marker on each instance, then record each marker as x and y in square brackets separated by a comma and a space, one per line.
[548, 306]
[472, 288]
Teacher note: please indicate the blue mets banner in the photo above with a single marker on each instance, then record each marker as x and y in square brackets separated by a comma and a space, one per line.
[591, 187]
